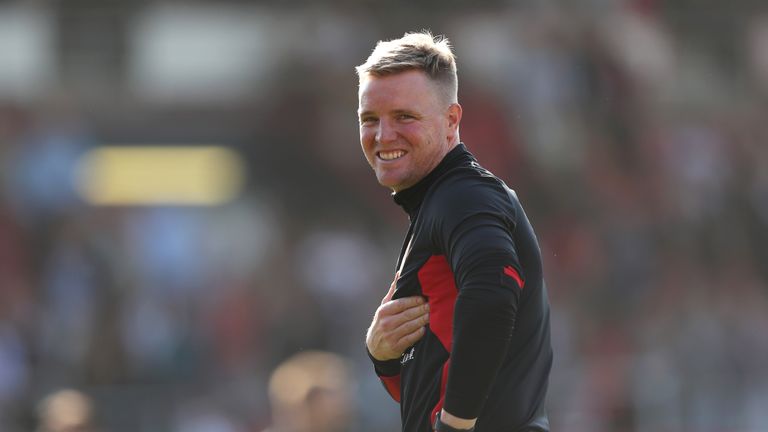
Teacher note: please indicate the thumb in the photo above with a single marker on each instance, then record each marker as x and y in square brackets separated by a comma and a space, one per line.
[391, 291]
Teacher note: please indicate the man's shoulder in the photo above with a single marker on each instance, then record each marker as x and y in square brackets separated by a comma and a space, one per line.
[467, 189]
[472, 181]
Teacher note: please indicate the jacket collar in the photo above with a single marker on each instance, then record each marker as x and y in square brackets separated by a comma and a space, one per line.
[410, 199]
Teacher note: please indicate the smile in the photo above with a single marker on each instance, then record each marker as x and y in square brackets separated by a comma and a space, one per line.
[391, 155]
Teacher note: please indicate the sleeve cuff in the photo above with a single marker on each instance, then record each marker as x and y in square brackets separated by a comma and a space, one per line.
[384, 368]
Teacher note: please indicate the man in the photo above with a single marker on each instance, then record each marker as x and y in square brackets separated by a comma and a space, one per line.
[461, 340]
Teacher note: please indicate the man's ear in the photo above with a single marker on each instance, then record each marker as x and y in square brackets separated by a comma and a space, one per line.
[454, 118]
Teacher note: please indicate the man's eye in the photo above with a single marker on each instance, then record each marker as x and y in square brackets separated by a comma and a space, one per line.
[367, 120]
[405, 117]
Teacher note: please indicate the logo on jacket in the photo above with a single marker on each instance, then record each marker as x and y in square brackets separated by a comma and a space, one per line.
[408, 356]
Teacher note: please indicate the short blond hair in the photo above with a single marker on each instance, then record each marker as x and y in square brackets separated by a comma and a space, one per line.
[415, 51]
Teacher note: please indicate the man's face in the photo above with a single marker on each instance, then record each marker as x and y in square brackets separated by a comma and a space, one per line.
[406, 126]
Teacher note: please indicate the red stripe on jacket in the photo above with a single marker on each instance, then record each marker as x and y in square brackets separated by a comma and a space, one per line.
[509, 271]
[392, 384]
[438, 285]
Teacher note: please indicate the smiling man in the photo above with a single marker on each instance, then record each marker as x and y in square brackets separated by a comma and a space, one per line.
[461, 339]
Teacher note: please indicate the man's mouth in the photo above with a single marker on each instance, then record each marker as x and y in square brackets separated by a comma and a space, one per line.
[391, 155]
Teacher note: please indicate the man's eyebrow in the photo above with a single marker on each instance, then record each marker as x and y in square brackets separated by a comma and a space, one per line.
[392, 112]
[403, 111]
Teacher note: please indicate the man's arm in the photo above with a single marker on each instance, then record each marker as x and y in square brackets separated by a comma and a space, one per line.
[397, 324]
[482, 255]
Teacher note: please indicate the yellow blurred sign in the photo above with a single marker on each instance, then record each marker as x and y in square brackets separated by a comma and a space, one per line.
[154, 175]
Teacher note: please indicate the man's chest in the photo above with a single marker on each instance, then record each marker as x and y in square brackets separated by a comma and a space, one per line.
[421, 263]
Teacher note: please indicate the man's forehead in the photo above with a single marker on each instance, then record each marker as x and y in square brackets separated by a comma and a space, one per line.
[412, 86]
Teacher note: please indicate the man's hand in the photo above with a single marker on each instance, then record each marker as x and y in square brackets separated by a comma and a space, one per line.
[397, 324]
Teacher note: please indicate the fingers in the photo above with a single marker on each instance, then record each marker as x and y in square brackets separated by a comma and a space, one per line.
[412, 325]
[394, 307]
[414, 312]
[411, 338]
[405, 336]
[419, 313]
[397, 324]
[404, 323]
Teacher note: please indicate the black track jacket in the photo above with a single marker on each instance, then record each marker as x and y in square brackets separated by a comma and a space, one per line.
[472, 253]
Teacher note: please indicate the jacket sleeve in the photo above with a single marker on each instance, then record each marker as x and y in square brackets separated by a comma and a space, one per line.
[478, 241]
[388, 372]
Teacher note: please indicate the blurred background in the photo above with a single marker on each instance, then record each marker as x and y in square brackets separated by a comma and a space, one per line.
[184, 204]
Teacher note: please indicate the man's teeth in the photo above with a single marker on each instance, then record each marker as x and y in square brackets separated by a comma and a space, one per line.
[390, 155]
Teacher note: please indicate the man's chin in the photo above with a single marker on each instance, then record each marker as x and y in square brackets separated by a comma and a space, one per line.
[394, 187]
[388, 182]
[391, 187]
[392, 182]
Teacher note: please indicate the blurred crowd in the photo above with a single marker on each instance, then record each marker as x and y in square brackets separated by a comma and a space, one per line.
[636, 136]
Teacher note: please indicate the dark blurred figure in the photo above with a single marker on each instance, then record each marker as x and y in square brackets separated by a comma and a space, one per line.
[66, 411]
[311, 392]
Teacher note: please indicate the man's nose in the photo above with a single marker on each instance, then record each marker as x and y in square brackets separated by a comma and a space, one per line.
[386, 132]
